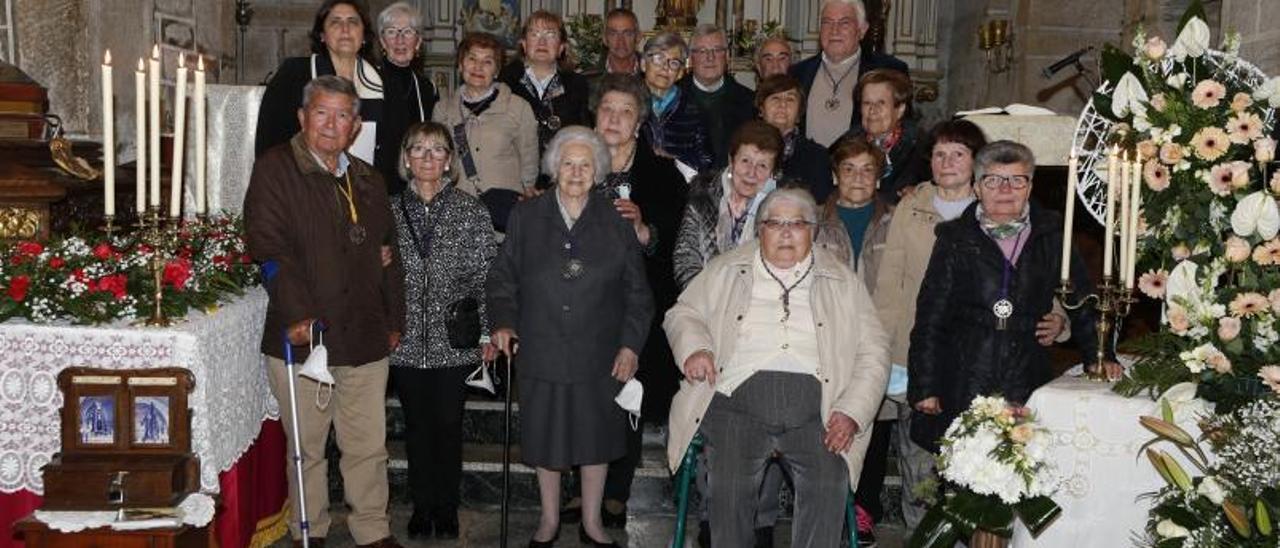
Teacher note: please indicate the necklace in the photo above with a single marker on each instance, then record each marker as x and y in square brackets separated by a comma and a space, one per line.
[1003, 307]
[786, 290]
[357, 232]
[833, 103]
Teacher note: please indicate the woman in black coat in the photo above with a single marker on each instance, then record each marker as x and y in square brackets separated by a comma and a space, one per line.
[884, 97]
[408, 96]
[649, 191]
[982, 319]
[780, 100]
[557, 95]
[570, 282]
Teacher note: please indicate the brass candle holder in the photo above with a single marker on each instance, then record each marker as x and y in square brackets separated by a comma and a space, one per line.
[109, 226]
[162, 238]
[1112, 303]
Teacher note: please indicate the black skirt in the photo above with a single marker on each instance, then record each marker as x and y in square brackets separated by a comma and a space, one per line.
[570, 424]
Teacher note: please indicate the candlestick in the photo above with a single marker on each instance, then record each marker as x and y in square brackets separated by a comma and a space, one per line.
[1109, 225]
[153, 77]
[1135, 188]
[179, 131]
[1122, 219]
[1070, 210]
[140, 135]
[108, 140]
[199, 106]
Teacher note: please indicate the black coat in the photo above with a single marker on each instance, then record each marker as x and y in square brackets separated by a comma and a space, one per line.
[908, 161]
[810, 166]
[739, 107]
[570, 107]
[679, 132]
[278, 113]
[956, 351]
[805, 71]
[408, 98]
[570, 329]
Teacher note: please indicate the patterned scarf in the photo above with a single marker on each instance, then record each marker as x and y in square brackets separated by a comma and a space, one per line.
[1004, 231]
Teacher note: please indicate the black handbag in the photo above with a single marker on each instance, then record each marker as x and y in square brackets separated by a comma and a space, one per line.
[462, 321]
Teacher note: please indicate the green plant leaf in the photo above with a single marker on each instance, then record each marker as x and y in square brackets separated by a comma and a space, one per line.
[1036, 513]
[1115, 62]
[934, 531]
[1262, 517]
[972, 511]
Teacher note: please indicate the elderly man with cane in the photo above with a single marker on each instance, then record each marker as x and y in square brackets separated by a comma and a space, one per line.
[781, 351]
[319, 220]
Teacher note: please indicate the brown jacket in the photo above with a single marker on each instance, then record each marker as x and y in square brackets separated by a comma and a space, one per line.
[297, 220]
[853, 351]
[833, 237]
[503, 142]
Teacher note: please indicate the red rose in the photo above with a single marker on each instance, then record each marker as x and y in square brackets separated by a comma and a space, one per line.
[56, 263]
[117, 284]
[177, 272]
[17, 288]
[30, 248]
[102, 251]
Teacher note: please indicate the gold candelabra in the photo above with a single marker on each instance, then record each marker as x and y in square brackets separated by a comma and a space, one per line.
[1112, 303]
[996, 42]
[162, 238]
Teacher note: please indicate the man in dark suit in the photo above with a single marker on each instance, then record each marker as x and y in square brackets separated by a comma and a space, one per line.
[725, 104]
[830, 76]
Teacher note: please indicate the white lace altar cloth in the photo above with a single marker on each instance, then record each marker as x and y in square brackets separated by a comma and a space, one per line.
[228, 403]
[1096, 440]
[196, 510]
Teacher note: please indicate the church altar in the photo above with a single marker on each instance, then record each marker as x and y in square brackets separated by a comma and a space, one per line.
[231, 403]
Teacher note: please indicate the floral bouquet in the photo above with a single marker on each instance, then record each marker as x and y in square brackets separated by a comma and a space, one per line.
[90, 279]
[1201, 120]
[1236, 499]
[993, 465]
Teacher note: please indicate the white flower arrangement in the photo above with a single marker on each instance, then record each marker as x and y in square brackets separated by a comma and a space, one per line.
[995, 449]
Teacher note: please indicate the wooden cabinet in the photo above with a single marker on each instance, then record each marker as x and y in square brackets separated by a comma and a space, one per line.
[38, 535]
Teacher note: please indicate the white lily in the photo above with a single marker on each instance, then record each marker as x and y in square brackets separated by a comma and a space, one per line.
[1269, 91]
[1181, 287]
[1129, 97]
[1257, 212]
[1193, 41]
[1178, 80]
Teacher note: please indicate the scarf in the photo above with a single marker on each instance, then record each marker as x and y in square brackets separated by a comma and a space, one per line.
[1003, 231]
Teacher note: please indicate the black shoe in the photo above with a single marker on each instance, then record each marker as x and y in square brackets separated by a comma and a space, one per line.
[764, 537]
[446, 525]
[419, 526]
[546, 543]
[586, 540]
[612, 520]
[704, 534]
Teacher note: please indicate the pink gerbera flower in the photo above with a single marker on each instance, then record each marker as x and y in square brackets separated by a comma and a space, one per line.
[1208, 94]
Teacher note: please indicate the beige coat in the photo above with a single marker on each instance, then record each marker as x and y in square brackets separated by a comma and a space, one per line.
[902, 265]
[503, 141]
[852, 347]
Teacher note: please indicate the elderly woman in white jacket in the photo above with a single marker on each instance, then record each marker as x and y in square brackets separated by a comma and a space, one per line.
[778, 332]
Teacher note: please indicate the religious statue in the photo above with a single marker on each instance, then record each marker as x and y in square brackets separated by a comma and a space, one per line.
[677, 14]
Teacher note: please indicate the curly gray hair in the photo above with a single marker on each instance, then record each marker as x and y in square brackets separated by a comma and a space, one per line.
[577, 134]
[792, 195]
[664, 41]
[1003, 153]
[388, 14]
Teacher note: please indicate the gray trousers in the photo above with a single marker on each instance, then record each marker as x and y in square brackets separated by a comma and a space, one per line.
[773, 411]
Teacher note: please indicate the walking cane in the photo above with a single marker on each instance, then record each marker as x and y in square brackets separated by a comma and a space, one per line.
[506, 452]
[684, 479]
[304, 525]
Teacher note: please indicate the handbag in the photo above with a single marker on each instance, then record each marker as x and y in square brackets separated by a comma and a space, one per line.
[462, 317]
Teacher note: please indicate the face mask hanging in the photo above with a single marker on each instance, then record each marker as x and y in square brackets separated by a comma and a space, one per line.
[316, 368]
[630, 398]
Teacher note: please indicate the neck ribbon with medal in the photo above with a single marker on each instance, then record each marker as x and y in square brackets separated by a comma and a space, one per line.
[546, 111]
[833, 104]
[356, 233]
[1003, 307]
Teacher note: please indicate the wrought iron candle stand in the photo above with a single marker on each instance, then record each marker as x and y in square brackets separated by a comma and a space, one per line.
[1112, 303]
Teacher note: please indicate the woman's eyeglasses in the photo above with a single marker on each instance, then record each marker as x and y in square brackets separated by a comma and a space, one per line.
[420, 151]
[779, 225]
[405, 33]
[670, 63]
[1015, 182]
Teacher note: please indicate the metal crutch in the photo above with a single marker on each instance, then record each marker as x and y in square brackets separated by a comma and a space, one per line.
[304, 525]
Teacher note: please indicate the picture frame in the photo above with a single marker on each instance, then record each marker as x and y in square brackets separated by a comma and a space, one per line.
[138, 411]
[91, 412]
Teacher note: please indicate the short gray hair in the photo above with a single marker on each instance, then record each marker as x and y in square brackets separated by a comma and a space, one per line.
[330, 83]
[577, 134]
[709, 29]
[792, 195]
[625, 84]
[1003, 153]
[664, 41]
[858, 6]
[396, 9]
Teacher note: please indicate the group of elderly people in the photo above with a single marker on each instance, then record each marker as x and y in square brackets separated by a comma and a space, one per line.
[797, 274]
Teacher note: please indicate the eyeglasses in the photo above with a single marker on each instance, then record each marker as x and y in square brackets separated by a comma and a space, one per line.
[780, 225]
[839, 23]
[660, 60]
[708, 52]
[1015, 182]
[400, 33]
[543, 34]
[420, 151]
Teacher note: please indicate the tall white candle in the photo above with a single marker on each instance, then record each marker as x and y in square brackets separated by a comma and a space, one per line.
[1122, 219]
[108, 140]
[140, 137]
[198, 104]
[1109, 218]
[1069, 210]
[1135, 189]
[153, 80]
[179, 131]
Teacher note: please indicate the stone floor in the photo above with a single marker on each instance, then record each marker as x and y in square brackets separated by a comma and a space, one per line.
[480, 528]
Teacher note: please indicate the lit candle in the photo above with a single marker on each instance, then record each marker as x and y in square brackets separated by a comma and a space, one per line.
[1122, 219]
[108, 140]
[197, 103]
[1070, 212]
[153, 76]
[140, 137]
[1135, 189]
[1109, 218]
[179, 130]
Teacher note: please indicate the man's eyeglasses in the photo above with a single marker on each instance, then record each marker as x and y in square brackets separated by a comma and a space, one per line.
[401, 33]
[839, 23]
[779, 225]
[420, 151]
[660, 60]
[708, 52]
[1015, 182]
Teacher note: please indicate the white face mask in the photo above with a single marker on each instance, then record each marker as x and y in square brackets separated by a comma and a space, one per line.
[481, 379]
[316, 368]
[630, 398]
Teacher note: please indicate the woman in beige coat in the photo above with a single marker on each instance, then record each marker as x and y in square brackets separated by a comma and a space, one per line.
[495, 130]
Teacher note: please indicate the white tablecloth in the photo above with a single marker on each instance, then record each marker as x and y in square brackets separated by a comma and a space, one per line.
[229, 402]
[1096, 437]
